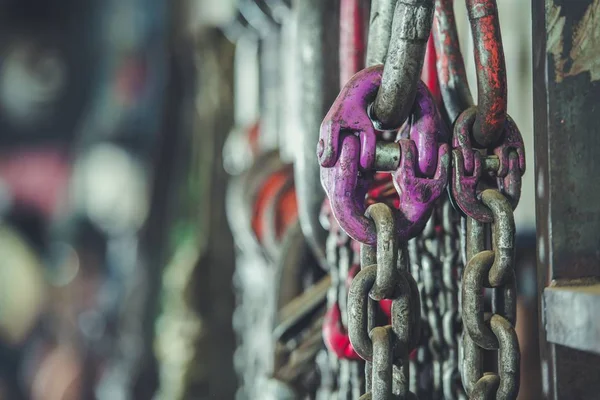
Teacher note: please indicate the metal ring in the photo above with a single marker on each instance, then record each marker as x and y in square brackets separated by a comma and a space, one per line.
[470, 363]
[405, 314]
[503, 236]
[411, 27]
[468, 166]
[485, 388]
[475, 278]
[491, 71]
[358, 299]
[383, 356]
[454, 85]
[509, 357]
[386, 280]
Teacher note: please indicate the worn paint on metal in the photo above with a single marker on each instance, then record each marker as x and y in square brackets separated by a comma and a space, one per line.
[585, 43]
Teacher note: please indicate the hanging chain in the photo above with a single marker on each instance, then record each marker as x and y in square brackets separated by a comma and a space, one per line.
[435, 265]
[384, 275]
[492, 269]
[489, 160]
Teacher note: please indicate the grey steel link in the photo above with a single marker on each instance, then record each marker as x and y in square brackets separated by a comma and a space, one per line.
[385, 348]
[383, 358]
[380, 29]
[387, 251]
[491, 269]
[410, 29]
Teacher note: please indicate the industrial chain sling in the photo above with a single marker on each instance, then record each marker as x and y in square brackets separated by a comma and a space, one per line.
[446, 212]
[482, 206]
[341, 371]
[489, 160]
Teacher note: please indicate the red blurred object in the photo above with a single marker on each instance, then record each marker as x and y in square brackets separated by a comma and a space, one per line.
[36, 178]
[267, 191]
[429, 73]
[335, 335]
[352, 41]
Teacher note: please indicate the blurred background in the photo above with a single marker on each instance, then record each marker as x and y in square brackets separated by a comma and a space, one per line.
[117, 270]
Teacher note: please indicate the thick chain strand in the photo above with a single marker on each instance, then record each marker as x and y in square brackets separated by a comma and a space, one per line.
[491, 269]
[386, 347]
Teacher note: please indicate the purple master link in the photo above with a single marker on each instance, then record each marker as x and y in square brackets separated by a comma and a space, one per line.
[346, 152]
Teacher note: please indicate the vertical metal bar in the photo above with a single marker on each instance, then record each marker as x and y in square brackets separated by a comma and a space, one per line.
[318, 38]
[567, 144]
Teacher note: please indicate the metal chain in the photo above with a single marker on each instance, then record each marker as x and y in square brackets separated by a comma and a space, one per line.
[488, 127]
[384, 275]
[400, 45]
[491, 269]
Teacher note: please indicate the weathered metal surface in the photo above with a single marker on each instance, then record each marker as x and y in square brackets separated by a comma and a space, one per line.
[468, 166]
[410, 30]
[318, 36]
[571, 315]
[454, 86]
[422, 157]
[567, 139]
[491, 71]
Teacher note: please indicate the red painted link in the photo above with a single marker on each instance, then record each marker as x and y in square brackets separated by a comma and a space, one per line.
[429, 73]
[491, 72]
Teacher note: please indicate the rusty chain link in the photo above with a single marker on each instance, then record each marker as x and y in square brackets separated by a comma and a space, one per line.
[399, 43]
[492, 269]
[384, 275]
[478, 132]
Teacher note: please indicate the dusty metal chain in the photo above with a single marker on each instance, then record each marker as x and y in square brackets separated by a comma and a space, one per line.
[386, 347]
[492, 269]
[436, 264]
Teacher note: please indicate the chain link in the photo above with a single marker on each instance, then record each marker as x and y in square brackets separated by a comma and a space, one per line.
[385, 347]
[491, 269]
